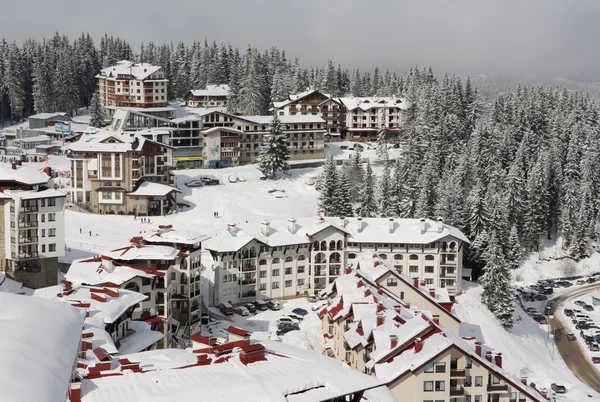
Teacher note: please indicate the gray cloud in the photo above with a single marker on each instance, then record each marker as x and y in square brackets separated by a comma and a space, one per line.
[533, 37]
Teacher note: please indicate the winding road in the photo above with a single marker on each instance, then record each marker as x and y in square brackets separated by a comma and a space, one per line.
[573, 353]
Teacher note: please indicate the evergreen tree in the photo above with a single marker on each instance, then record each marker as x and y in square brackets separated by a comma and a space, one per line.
[386, 197]
[367, 202]
[355, 174]
[274, 152]
[514, 253]
[382, 150]
[328, 187]
[97, 115]
[343, 202]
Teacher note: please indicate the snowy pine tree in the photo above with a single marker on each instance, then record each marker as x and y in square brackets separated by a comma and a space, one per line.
[97, 115]
[382, 146]
[343, 202]
[367, 201]
[514, 253]
[355, 174]
[328, 188]
[385, 193]
[274, 151]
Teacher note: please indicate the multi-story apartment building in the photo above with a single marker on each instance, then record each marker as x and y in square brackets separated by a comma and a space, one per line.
[32, 222]
[122, 173]
[316, 103]
[165, 266]
[213, 96]
[365, 116]
[414, 347]
[286, 259]
[140, 86]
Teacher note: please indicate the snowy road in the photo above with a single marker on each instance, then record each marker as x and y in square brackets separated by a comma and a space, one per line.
[573, 353]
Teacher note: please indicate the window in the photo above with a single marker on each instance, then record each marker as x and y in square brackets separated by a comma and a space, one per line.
[288, 271]
[174, 276]
[468, 363]
[51, 217]
[43, 202]
[43, 248]
[428, 258]
[348, 356]
[52, 247]
[43, 232]
[224, 278]
[275, 272]
[428, 269]
[428, 281]
[495, 380]
[392, 282]
[275, 285]
[301, 257]
[52, 232]
[428, 386]
[414, 257]
[300, 282]
[263, 274]
[428, 368]
[398, 257]
[477, 398]
[440, 367]
[289, 259]
[262, 286]
[275, 260]
[262, 262]
[301, 269]
[440, 385]
[383, 256]
[513, 397]
[413, 268]
[479, 381]
[467, 398]
[43, 217]
[468, 381]
[288, 284]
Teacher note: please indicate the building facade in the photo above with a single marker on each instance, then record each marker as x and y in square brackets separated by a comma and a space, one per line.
[293, 258]
[213, 97]
[121, 173]
[32, 221]
[134, 85]
[365, 116]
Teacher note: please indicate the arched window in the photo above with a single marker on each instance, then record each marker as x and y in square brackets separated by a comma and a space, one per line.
[428, 258]
[332, 245]
[444, 246]
[320, 259]
[340, 245]
[133, 286]
[398, 257]
[323, 245]
[352, 256]
[316, 246]
[335, 258]
[453, 246]
[244, 252]
[301, 257]
[253, 252]
[413, 257]
[275, 260]
[289, 259]
[262, 262]
[183, 278]
[383, 256]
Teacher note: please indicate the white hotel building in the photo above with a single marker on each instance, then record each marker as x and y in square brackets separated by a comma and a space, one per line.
[293, 258]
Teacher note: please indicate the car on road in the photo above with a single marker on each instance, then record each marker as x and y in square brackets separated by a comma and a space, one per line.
[274, 305]
[194, 183]
[571, 336]
[251, 308]
[226, 308]
[540, 297]
[260, 305]
[299, 311]
[548, 310]
[540, 319]
[580, 282]
[312, 298]
[591, 279]
[531, 310]
[241, 310]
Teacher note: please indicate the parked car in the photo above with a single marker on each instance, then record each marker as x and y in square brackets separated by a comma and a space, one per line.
[548, 310]
[286, 319]
[531, 310]
[299, 311]
[260, 305]
[596, 359]
[318, 307]
[580, 303]
[571, 336]
[296, 317]
[547, 290]
[312, 298]
[359, 146]
[594, 347]
[540, 297]
[559, 389]
[540, 319]
[343, 146]
[194, 183]
[285, 328]
[588, 307]
[226, 308]
[241, 310]
[582, 325]
[251, 308]
[210, 181]
[274, 305]
[591, 279]
[568, 312]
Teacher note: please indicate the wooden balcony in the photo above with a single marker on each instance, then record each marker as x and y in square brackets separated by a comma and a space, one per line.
[457, 391]
[497, 388]
[457, 373]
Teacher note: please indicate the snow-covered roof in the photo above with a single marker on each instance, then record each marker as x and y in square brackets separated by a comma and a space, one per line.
[178, 236]
[142, 252]
[35, 195]
[107, 141]
[45, 116]
[212, 90]
[142, 338]
[138, 71]
[296, 97]
[366, 103]
[37, 138]
[287, 119]
[38, 345]
[11, 286]
[152, 189]
[92, 272]
[23, 174]
[286, 373]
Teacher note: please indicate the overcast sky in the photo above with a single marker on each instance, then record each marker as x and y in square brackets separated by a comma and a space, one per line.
[533, 37]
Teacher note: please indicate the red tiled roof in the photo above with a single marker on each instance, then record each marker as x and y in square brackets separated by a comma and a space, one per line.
[101, 354]
[237, 331]
[203, 339]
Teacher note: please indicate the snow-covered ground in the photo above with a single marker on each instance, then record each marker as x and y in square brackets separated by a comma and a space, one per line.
[527, 349]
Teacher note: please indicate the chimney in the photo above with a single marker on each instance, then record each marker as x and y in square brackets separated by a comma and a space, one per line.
[436, 319]
[488, 355]
[343, 221]
[348, 271]
[392, 225]
[292, 226]
[394, 340]
[360, 223]
[416, 282]
[498, 359]
[232, 228]
[432, 293]
[422, 225]
[418, 345]
[524, 380]
[478, 348]
[423, 283]
[321, 215]
[440, 224]
[75, 391]
[380, 320]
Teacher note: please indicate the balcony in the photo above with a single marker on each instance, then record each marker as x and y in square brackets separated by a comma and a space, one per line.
[251, 281]
[26, 255]
[457, 391]
[28, 224]
[457, 373]
[249, 268]
[251, 293]
[25, 240]
[497, 388]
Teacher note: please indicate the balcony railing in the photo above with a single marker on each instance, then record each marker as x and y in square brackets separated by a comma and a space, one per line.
[251, 293]
[248, 281]
[496, 388]
[457, 373]
[249, 268]
[24, 240]
[28, 209]
[457, 391]
[31, 254]
[28, 224]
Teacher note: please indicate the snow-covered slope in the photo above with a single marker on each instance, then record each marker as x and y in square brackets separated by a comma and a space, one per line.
[527, 350]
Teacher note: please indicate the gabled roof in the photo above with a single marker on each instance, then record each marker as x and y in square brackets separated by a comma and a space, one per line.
[296, 97]
[143, 252]
[24, 175]
[92, 272]
[366, 103]
[139, 71]
[166, 234]
[212, 90]
[152, 189]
